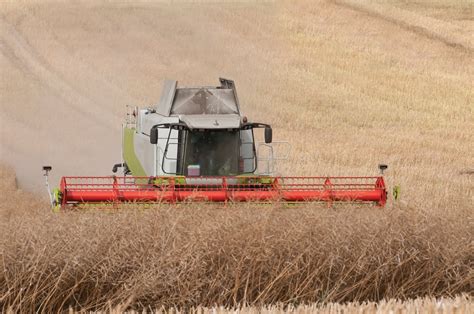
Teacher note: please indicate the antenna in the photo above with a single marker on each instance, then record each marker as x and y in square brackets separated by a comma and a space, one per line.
[382, 168]
[46, 170]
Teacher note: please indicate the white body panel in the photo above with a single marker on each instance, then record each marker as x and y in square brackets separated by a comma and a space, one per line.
[151, 155]
[247, 150]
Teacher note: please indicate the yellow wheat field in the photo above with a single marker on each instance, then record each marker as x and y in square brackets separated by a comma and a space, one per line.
[349, 83]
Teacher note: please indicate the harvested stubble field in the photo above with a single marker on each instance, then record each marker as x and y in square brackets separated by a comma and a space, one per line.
[350, 84]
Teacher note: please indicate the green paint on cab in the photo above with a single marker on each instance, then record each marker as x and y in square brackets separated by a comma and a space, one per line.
[243, 179]
[129, 155]
[165, 181]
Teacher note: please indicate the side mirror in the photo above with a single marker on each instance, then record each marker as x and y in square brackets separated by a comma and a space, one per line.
[154, 135]
[268, 134]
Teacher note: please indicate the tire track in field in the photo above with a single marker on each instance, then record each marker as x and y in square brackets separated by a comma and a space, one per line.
[44, 118]
[428, 27]
[19, 52]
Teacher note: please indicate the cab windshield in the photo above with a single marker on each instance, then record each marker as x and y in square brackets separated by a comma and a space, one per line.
[213, 153]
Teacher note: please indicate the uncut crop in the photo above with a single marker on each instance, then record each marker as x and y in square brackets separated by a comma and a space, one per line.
[190, 255]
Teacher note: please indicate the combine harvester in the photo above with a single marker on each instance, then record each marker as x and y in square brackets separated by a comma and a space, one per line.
[195, 145]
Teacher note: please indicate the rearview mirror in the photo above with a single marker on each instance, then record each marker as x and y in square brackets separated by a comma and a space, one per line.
[154, 135]
[268, 134]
